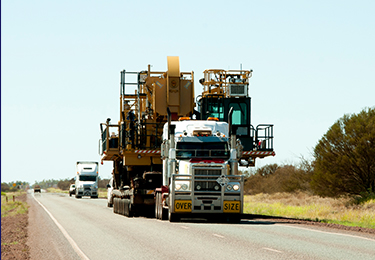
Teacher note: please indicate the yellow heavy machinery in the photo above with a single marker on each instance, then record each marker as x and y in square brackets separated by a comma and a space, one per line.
[165, 163]
[133, 144]
[226, 89]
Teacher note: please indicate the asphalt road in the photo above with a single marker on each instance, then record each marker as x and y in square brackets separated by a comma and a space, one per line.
[86, 229]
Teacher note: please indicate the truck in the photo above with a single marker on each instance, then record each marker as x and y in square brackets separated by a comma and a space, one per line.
[171, 161]
[86, 180]
[200, 172]
[37, 189]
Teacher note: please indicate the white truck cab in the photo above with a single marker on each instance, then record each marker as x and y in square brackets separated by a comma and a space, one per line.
[87, 179]
[200, 169]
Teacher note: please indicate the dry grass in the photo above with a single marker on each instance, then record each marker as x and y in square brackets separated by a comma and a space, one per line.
[102, 193]
[10, 207]
[304, 206]
[56, 190]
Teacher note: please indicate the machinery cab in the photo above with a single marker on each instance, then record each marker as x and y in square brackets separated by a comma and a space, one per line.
[226, 89]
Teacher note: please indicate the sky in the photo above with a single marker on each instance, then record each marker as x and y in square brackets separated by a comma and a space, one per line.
[313, 62]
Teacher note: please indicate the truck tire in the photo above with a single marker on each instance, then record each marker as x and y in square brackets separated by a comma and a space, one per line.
[77, 196]
[164, 214]
[122, 206]
[126, 208]
[129, 209]
[156, 206]
[172, 217]
[114, 205]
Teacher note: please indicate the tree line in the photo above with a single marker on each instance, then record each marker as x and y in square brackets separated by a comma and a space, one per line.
[62, 184]
[344, 163]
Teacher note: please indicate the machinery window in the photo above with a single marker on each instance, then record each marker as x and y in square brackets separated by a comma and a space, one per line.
[215, 109]
[240, 113]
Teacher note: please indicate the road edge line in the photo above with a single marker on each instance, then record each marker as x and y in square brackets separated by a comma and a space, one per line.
[66, 235]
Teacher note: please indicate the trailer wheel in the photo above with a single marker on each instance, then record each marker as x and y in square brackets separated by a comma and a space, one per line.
[128, 208]
[115, 200]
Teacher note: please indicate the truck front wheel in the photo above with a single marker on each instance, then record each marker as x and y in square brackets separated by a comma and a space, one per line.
[157, 206]
[172, 217]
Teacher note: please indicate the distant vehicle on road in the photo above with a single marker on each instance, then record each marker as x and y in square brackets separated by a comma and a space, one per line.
[87, 180]
[37, 188]
[109, 193]
[72, 189]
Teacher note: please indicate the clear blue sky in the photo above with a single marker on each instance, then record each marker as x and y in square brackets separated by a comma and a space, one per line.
[313, 62]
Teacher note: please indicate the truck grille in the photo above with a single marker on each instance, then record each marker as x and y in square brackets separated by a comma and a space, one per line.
[87, 187]
[209, 173]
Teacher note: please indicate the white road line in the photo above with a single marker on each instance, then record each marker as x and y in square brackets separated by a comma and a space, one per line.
[216, 235]
[185, 227]
[273, 250]
[331, 233]
[66, 235]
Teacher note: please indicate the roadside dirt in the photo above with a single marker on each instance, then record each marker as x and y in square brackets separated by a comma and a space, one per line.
[14, 235]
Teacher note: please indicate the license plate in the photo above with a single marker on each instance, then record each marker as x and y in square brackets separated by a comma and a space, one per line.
[232, 206]
[182, 205]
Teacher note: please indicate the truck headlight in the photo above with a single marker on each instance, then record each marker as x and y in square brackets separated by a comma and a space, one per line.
[182, 186]
[233, 186]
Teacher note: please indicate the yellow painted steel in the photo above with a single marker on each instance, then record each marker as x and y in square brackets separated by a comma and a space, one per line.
[173, 66]
[217, 81]
[143, 114]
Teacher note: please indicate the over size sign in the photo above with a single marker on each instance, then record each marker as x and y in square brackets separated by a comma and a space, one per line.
[182, 205]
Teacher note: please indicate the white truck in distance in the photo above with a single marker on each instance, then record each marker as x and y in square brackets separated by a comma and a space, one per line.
[87, 179]
[200, 172]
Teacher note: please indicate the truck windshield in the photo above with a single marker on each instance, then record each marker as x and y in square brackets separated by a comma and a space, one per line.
[87, 178]
[202, 150]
